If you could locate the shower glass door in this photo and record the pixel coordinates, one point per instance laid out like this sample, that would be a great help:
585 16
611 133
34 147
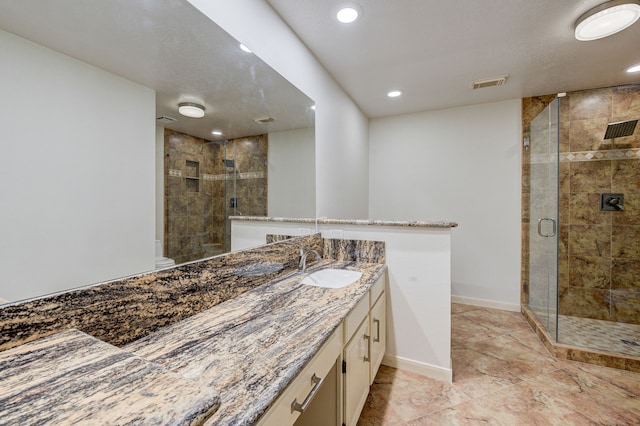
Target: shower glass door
543 217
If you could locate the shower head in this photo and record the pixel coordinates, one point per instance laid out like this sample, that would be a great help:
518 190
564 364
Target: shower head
229 163
620 129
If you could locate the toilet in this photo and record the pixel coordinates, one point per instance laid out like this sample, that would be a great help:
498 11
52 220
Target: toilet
162 262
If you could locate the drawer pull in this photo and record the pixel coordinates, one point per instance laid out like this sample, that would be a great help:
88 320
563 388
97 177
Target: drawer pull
377 323
367 357
316 382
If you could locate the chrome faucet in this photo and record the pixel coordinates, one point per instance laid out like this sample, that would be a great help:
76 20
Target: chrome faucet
303 258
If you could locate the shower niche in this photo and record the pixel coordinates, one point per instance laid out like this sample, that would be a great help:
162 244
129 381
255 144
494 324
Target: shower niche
192 179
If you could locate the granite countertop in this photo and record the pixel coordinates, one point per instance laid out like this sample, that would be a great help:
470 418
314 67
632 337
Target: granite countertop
251 347
73 378
326 221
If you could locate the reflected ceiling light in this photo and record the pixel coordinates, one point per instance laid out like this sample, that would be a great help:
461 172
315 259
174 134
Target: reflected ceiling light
395 93
634 68
189 109
347 15
245 48
264 120
216 133
313 107
607 19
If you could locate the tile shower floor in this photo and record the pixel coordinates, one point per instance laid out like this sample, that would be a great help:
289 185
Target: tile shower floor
607 336
503 375
601 335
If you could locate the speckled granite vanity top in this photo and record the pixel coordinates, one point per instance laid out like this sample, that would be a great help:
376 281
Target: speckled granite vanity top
251 347
73 378
170 347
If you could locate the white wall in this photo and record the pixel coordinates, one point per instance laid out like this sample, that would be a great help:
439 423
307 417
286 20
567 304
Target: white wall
341 128
291 172
77 172
462 165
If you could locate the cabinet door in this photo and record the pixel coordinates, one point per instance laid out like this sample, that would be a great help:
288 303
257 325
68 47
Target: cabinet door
356 377
378 334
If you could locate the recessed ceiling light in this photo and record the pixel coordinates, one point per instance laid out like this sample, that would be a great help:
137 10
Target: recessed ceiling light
189 109
607 19
634 68
395 93
216 133
347 15
245 48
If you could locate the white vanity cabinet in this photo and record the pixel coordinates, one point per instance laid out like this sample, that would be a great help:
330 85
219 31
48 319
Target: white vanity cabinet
346 364
364 350
377 325
356 362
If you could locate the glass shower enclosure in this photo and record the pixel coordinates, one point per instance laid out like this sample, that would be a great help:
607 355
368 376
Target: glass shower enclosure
544 142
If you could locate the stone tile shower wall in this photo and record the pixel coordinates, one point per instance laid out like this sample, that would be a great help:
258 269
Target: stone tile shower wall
251 156
199 191
599 251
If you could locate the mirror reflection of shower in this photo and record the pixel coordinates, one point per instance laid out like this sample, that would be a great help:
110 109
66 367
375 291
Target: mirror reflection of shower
233 200
206 183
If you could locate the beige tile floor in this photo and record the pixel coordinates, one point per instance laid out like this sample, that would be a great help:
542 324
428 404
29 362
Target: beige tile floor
503 375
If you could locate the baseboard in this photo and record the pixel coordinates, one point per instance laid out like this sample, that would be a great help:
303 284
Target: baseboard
421 368
513 307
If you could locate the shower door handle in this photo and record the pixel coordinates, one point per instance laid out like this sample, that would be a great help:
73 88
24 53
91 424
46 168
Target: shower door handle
554 228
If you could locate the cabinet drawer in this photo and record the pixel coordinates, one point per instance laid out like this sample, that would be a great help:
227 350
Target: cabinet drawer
355 317
376 289
280 413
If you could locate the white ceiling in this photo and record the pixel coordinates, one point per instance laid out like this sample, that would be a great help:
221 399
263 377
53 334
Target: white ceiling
431 50
434 49
170 47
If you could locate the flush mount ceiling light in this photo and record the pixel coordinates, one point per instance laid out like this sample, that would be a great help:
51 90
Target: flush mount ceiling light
264 120
349 13
607 19
189 109
395 93
245 48
634 68
216 133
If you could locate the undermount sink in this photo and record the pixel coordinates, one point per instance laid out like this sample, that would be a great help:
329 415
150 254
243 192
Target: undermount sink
332 278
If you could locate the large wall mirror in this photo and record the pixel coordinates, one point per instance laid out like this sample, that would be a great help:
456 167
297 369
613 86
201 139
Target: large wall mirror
98 162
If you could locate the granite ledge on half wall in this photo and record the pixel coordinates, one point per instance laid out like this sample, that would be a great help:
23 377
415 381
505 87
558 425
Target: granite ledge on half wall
368 222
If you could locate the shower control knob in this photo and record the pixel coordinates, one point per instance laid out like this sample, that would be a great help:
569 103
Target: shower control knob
611 202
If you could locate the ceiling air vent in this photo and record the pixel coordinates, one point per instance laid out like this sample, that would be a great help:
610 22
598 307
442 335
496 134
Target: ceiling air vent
489 82
264 120
165 120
